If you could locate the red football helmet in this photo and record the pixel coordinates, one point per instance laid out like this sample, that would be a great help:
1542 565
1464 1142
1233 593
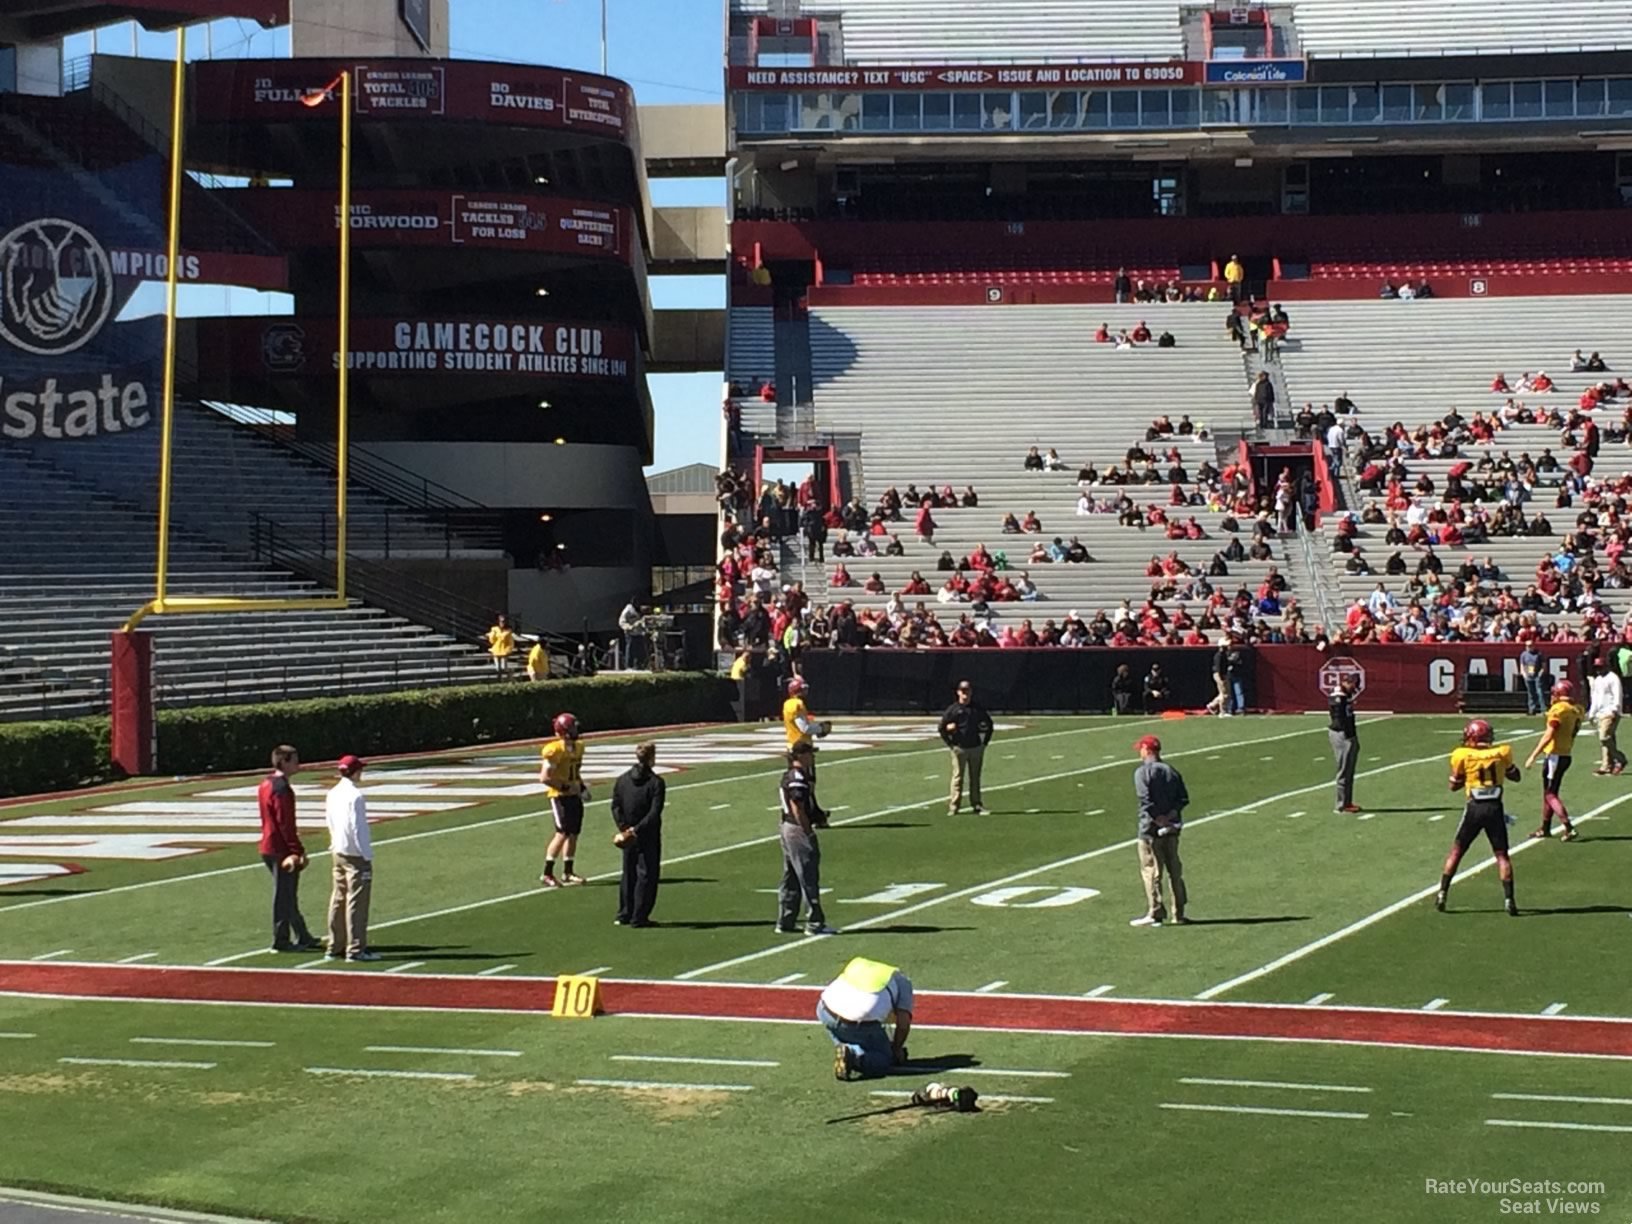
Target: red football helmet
566 726
1564 690
796 686
1477 732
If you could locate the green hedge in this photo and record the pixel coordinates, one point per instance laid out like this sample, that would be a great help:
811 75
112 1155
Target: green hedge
36 757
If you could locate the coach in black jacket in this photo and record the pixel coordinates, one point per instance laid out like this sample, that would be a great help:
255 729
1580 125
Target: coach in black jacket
637 810
966 728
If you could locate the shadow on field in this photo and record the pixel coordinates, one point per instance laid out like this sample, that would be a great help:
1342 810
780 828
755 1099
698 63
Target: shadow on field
667 881
1582 909
88 892
1248 921
713 926
928 1066
431 952
1406 811
882 824
902 928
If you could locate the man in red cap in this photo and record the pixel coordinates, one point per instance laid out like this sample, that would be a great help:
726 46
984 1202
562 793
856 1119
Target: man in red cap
346 811
1162 800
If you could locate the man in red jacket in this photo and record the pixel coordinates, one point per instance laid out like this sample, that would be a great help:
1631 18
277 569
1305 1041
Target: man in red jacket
283 854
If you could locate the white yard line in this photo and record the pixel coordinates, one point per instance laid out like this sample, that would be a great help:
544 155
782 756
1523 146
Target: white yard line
238 956
375 1073
495 969
1561 1100
663 1086
987 886
140 956
52 955
1258 1109
1294 815
991 986
1287 1085
203 1041
1563 1126
1552 1009
595 972
694 1062
138 1062
1015 1072
1013 1100
403 968
788 979
1387 911
1434 1004
18 1036
718 807
392 1049
1317 1000
1098 991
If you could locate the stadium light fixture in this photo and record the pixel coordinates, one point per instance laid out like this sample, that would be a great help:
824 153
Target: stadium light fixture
543 403
541 292
560 441
546 518
541 180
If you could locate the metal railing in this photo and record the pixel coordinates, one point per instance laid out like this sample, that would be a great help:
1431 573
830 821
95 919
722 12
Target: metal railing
234 682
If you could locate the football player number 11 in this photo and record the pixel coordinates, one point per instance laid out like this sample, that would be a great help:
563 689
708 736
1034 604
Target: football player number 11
576 997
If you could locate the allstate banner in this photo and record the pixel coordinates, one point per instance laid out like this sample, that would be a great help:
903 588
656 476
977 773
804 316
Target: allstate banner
67 368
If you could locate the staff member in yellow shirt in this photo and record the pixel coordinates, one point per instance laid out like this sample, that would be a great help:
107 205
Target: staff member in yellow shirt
1235 277
538 661
1564 719
563 777
1479 767
501 644
802 729
854 1009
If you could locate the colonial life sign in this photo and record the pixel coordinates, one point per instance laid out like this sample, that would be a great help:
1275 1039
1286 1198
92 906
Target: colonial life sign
967 76
230 91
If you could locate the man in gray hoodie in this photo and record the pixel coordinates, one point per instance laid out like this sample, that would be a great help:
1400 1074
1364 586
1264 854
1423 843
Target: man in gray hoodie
1162 799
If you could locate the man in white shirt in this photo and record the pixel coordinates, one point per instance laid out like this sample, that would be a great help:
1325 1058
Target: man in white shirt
1604 710
346 811
855 1008
1381 604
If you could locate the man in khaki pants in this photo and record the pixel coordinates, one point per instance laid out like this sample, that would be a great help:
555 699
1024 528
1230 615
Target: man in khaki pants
1604 710
346 811
1162 800
966 728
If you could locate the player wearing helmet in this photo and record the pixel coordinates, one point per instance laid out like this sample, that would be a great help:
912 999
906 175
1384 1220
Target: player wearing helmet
802 731
1479 766
562 776
1564 719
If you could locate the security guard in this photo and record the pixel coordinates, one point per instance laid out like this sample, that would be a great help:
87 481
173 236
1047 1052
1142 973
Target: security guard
855 1008
1345 738
637 810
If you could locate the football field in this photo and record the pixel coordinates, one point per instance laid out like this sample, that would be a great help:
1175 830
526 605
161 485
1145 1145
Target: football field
1318 1044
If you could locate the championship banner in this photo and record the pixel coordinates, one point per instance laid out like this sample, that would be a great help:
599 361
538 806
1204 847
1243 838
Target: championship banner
416 346
968 76
420 218
68 368
237 91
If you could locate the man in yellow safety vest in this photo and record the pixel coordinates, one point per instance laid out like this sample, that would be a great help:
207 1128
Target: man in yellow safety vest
855 1008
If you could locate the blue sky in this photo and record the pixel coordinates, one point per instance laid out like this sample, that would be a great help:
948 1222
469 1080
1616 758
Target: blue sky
670 51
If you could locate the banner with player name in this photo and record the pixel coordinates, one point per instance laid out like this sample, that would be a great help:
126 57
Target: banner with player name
917 77
426 218
237 91
417 346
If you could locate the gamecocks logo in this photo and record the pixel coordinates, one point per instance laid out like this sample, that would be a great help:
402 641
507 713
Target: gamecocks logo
283 348
1335 669
56 286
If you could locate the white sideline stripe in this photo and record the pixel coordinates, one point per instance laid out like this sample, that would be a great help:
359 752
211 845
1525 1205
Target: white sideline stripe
1095 812
1259 1109
203 1041
695 1062
788 980
495 969
663 1086
1388 911
1010 1071
1439 816
1014 1100
991 986
599 969
140 956
388 1049
1295 815
380 1074
1552 1009
52 955
238 956
1565 1126
1097 991
1288 1085
1318 999
1434 1004
858 757
988 885
18 1036
1562 1100
403 968
719 807
137 1062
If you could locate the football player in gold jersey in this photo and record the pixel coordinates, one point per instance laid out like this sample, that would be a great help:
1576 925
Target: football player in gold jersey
1564 719
1479 767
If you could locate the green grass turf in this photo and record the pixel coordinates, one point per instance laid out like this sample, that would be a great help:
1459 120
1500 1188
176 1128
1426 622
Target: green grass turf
1265 884
522 1141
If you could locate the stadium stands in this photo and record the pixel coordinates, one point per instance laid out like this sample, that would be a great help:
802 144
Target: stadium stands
78 561
751 358
1344 29
996 31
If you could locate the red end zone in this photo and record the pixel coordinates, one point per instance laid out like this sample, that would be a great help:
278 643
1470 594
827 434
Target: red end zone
1237 1021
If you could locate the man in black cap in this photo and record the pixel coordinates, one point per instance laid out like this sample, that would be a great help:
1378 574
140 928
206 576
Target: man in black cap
966 728
801 852
637 810
1345 738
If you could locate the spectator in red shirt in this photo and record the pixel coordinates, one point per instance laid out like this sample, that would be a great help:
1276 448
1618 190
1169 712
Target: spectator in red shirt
924 523
283 854
767 392
1498 385
841 577
1103 335
916 585
874 585
1141 334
